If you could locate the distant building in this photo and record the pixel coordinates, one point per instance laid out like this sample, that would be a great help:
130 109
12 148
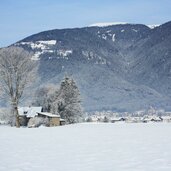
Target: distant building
152 119
118 119
166 118
134 120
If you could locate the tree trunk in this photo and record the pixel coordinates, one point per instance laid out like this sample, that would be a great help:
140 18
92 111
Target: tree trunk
17 118
16 114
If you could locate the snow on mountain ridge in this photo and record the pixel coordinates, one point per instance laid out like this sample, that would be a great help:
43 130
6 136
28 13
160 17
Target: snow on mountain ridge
105 24
42 45
152 26
48 42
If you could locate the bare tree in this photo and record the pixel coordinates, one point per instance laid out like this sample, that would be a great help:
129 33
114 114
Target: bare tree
17 72
45 96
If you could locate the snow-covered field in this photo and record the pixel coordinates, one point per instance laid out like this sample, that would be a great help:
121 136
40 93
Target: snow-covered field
87 147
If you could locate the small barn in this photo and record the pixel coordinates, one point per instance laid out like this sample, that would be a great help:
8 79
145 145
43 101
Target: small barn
54 120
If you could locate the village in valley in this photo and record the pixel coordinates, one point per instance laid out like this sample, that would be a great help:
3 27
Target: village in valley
142 116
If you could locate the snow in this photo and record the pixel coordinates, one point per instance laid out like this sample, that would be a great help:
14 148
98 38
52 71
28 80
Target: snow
85 53
104 36
29 111
39 44
48 42
134 30
36 56
87 147
152 26
64 53
108 31
2 122
106 24
49 114
42 46
113 38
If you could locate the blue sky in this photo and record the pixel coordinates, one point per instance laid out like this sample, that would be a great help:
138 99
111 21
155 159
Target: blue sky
21 18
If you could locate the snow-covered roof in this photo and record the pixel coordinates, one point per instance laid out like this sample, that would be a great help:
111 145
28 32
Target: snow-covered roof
29 111
117 118
150 118
49 114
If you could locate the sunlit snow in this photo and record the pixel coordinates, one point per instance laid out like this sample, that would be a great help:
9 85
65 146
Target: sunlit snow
43 46
87 147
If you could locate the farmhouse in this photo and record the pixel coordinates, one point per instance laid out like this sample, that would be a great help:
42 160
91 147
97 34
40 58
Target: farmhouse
25 113
33 115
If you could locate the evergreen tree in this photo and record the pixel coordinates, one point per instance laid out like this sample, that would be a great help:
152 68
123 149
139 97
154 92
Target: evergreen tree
68 101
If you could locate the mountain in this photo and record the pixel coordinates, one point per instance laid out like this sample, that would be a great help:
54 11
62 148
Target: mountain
121 67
